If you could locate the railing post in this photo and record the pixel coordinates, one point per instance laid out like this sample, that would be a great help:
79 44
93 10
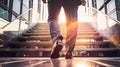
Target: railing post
30 13
19 28
29 18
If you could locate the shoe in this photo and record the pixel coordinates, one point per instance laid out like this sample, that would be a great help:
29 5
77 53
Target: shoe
56 50
55 53
68 56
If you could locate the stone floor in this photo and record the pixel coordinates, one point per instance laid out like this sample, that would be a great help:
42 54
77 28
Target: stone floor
61 62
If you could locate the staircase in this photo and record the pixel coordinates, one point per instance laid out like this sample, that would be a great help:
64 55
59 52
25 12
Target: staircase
90 43
36 42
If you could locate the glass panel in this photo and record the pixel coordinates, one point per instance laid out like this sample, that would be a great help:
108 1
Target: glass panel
15 25
10 30
25 5
4 14
106 25
16 6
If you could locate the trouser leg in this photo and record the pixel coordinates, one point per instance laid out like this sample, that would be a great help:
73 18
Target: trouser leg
71 37
54 7
71 17
54 30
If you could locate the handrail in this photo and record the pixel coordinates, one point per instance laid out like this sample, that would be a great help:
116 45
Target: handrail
16 18
100 18
106 25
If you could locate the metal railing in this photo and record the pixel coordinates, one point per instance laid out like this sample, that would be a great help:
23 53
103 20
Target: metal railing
100 17
105 25
20 23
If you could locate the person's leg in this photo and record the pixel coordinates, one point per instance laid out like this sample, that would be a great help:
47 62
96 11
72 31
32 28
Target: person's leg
54 7
71 17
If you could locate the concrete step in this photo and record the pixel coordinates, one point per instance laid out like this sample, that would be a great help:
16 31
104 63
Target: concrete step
97 43
64 30
36 34
94 37
24 38
50 43
42 28
49 49
47 30
38 31
33 43
83 33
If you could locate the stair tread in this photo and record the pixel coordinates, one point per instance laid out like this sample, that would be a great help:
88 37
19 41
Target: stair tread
49 37
35 37
97 49
92 43
79 36
87 37
80 30
39 31
88 33
35 34
25 49
84 33
42 43
61 31
49 49
50 43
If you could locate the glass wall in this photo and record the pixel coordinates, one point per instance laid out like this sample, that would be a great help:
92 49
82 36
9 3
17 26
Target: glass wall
25 7
4 14
4 4
108 7
117 2
10 9
111 9
16 6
